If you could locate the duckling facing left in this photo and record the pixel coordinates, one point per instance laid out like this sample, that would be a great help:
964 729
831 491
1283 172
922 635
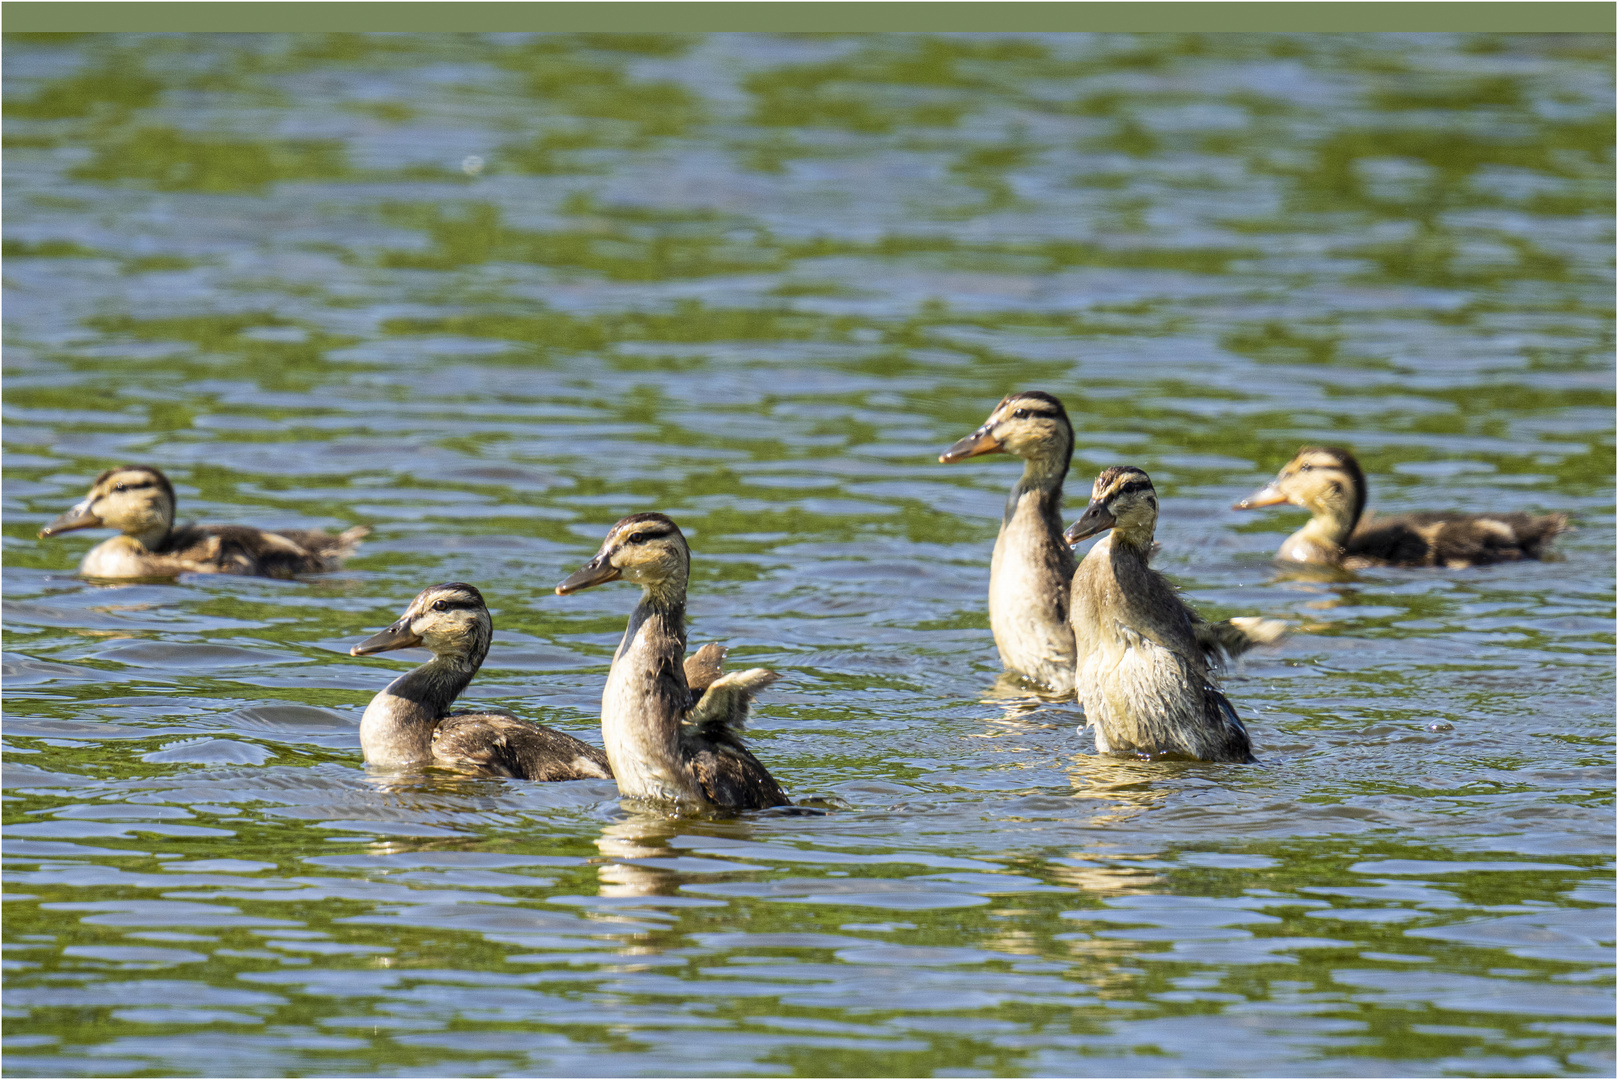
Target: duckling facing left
1031 570
409 725
138 501
672 726
1143 676
1329 483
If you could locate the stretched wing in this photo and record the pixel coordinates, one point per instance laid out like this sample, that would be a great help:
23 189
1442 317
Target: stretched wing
703 668
499 744
1232 637
711 739
721 713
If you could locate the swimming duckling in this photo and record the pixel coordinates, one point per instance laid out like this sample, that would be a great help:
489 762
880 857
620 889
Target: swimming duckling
409 725
138 501
1143 676
1328 482
672 727
1031 570
1031 567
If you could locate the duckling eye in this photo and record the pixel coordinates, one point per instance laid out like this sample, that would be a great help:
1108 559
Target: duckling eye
1305 468
636 538
440 605
1020 414
120 487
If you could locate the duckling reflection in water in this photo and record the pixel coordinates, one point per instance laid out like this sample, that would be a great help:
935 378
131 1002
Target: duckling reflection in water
1143 676
1031 570
672 727
409 725
138 501
1328 482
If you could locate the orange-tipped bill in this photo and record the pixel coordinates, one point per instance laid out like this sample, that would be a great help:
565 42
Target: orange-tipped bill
1095 519
77 518
1268 495
981 441
397 636
598 571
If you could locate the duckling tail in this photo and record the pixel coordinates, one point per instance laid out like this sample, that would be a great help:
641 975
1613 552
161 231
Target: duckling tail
348 541
1538 531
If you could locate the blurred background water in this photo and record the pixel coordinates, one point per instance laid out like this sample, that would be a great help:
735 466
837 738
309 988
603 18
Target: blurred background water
490 293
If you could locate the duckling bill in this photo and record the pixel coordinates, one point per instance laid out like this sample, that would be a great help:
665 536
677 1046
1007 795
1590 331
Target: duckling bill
1329 483
409 725
138 501
672 725
1143 676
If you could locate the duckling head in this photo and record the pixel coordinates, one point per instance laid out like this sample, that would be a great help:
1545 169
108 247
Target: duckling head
1123 500
647 549
1031 425
1325 480
450 619
137 500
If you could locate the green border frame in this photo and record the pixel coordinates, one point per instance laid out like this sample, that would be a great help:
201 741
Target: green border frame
804 16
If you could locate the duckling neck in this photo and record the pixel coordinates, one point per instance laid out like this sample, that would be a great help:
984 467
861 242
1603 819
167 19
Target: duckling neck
1040 485
1329 528
152 536
397 728
1132 543
645 698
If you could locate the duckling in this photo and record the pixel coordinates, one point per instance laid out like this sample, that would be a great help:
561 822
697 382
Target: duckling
1328 482
409 724
138 501
1031 570
672 727
1143 676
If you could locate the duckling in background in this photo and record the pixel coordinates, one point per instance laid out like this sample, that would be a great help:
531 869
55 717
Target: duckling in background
138 501
672 727
409 725
1143 676
1328 482
1031 570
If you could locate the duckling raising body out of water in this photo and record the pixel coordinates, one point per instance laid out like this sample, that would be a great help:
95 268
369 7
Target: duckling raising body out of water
1031 566
1031 570
138 501
1329 483
1143 676
672 727
409 725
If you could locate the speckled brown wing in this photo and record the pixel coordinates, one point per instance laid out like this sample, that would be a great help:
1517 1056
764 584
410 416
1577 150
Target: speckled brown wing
704 667
239 549
498 744
733 778
1448 539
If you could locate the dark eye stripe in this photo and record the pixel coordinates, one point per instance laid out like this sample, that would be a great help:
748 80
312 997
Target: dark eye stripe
1132 486
137 487
452 604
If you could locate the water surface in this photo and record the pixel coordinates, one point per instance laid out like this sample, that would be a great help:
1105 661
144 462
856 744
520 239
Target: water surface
488 294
